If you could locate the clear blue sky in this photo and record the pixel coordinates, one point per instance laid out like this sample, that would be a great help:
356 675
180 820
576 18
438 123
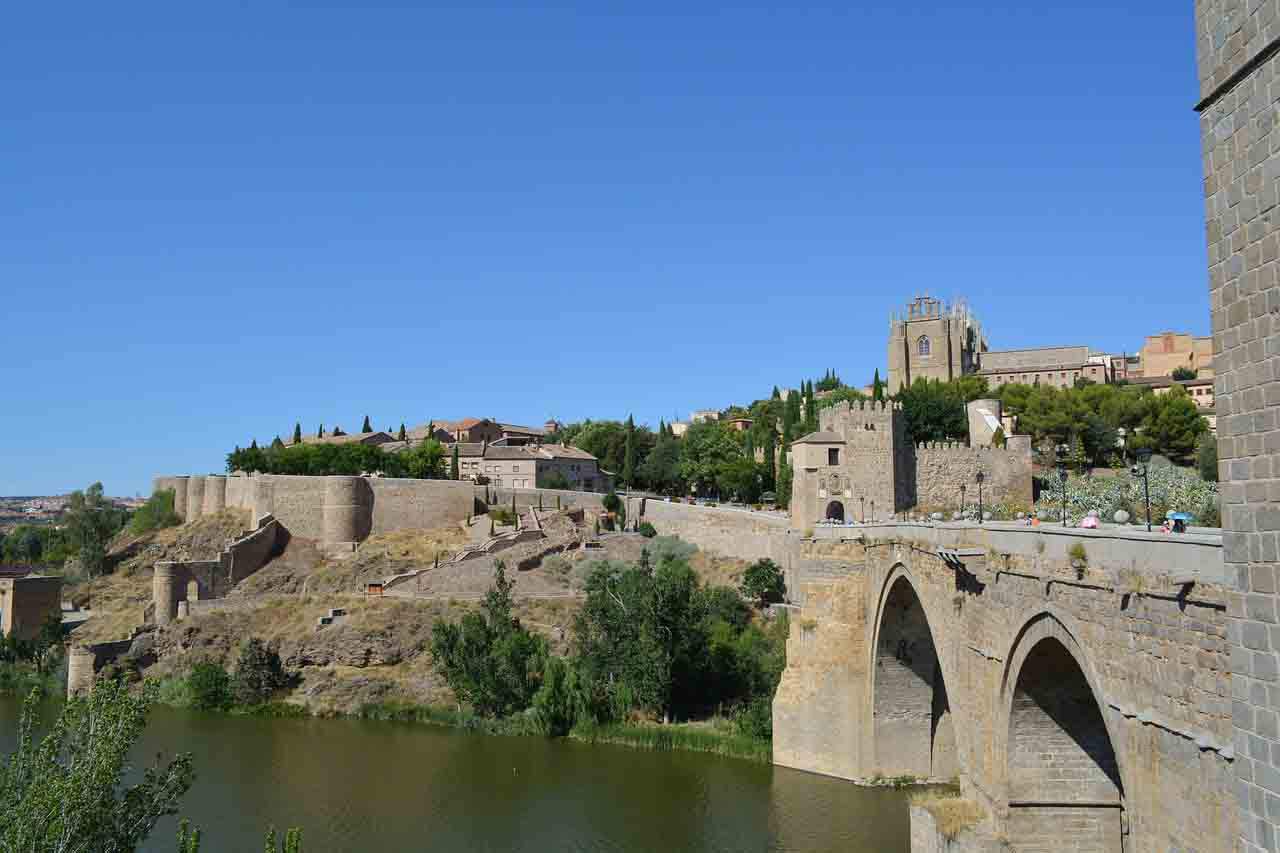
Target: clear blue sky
217 220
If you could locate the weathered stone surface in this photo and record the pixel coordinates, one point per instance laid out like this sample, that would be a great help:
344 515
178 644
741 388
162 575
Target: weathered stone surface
1241 155
1065 706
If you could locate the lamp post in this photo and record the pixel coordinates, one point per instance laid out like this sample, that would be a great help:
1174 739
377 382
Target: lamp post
981 515
1142 469
962 504
1061 451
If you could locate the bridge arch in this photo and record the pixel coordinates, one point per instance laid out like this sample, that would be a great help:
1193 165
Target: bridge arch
1061 750
914 731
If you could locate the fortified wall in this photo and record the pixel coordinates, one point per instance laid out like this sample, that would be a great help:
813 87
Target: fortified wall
336 512
861 466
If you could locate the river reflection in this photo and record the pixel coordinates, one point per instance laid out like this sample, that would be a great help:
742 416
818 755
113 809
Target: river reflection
363 786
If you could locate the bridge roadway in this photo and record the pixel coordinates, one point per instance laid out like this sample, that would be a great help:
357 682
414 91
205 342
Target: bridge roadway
1075 682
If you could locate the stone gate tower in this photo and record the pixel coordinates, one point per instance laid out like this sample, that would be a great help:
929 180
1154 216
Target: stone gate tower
933 340
1238 48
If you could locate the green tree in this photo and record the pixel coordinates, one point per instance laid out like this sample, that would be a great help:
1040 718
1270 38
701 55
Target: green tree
366 426
67 794
259 673
455 469
402 435
934 411
91 521
426 460
1182 374
629 454
1173 425
157 513
554 479
297 433
320 432
560 700
210 687
1207 458
785 477
877 388
706 452
763 582
660 470
487 658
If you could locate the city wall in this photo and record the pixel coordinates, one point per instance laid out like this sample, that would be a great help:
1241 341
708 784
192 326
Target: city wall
941 469
337 512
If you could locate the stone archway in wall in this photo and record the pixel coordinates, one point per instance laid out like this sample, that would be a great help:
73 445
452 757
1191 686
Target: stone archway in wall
1063 777
835 511
914 730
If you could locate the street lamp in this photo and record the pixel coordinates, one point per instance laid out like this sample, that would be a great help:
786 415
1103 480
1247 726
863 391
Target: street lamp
981 515
962 504
1061 451
863 501
1142 469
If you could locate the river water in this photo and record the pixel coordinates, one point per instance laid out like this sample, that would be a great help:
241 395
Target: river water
374 786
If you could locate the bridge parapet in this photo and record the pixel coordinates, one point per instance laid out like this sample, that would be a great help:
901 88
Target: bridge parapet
1134 559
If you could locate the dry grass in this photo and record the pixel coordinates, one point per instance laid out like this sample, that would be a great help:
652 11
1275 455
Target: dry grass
118 600
951 814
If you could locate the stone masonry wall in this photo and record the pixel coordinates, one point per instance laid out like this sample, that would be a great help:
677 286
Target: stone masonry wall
1240 110
1149 640
942 468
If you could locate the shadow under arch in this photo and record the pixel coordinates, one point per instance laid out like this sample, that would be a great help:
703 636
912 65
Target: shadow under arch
913 727
1062 769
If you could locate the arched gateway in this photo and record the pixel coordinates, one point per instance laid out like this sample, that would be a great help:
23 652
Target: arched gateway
835 511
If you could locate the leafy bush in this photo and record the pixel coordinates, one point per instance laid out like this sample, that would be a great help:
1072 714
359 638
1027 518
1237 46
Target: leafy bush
647 530
755 719
555 480
259 673
763 582
1207 459
670 548
488 659
1172 490
559 701
156 514
67 792
503 515
210 687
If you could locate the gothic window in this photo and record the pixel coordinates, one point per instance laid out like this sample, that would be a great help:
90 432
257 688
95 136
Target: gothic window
923 346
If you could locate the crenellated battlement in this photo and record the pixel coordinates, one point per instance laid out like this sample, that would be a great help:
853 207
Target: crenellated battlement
862 464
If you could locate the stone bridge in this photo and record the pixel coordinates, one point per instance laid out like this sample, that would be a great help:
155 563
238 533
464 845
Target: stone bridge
1076 683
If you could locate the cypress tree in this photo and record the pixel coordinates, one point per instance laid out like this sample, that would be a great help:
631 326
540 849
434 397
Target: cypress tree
297 433
770 447
402 436
629 453
777 395
253 445
320 432
366 427
277 444
454 473
877 388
